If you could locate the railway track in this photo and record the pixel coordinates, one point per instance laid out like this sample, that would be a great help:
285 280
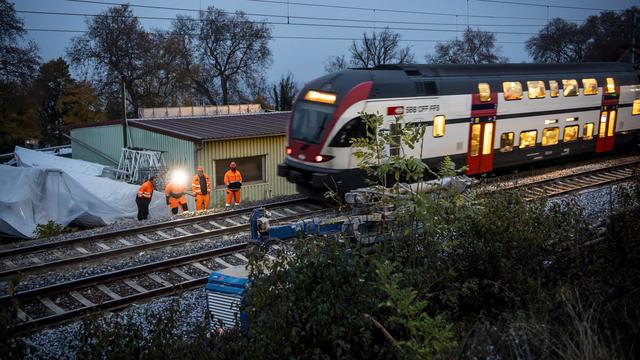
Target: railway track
575 182
61 302
29 259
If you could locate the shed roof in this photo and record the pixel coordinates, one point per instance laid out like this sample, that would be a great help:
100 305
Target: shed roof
217 127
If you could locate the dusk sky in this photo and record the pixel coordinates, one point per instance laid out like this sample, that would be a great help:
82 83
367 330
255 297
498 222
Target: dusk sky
415 20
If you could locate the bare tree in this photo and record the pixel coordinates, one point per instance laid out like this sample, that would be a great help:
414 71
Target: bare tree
475 47
227 47
559 41
18 64
115 48
284 92
380 48
335 63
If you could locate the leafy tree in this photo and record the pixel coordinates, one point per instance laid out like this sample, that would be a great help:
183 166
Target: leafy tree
559 41
80 104
222 50
335 63
379 48
48 87
284 92
475 47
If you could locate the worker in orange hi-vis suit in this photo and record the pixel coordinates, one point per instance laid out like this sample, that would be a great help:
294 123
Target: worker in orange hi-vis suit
233 180
143 198
201 188
175 197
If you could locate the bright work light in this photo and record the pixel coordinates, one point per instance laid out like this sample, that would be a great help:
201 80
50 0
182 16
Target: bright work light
179 177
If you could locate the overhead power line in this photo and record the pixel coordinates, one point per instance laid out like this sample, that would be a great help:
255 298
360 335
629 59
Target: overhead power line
317 5
395 10
274 37
289 23
547 5
276 16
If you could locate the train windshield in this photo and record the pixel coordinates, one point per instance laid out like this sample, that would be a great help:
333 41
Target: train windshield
309 121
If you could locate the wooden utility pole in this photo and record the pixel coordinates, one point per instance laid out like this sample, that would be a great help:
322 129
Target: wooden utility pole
124 114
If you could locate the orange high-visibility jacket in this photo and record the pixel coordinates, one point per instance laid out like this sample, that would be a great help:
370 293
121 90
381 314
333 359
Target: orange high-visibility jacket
175 193
231 176
196 186
146 190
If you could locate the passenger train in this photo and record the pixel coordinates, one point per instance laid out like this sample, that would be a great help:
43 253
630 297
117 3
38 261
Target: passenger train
486 117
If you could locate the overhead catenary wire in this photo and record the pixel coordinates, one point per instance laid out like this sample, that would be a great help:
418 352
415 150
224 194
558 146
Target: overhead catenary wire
275 37
547 5
419 12
146 17
102 2
348 26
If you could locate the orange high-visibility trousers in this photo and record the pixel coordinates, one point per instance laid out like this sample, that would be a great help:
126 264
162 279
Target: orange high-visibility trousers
202 202
233 195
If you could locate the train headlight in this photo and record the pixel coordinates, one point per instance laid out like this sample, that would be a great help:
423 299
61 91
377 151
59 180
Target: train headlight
288 150
322 158
320 96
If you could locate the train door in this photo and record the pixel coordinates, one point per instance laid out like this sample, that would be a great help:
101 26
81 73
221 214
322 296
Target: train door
606 128
608 116
480 154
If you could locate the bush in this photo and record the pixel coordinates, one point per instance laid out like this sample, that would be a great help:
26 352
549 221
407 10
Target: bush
51 228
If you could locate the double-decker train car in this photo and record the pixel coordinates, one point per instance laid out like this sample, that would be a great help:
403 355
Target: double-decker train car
486 117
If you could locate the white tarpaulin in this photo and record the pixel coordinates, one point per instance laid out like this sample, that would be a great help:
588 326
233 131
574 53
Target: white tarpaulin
43 193
37 159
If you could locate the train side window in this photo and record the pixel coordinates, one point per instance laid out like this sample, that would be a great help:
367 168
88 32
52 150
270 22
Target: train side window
612 123
506 142
438 126
353 129
550 136
569 87
553 88
587 133
512 90
536 90
635 109
611 86
485 92
474 149
396 136
528 138
590 86
570 133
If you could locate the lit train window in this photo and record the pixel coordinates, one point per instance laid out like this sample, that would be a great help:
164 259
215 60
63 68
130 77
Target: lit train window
512 90
536 90
438 126
612 123
485 91
528 138
506 142
569 87
590 86
553 88
487 141
611 85
635 110
570 133
475 140
602 129
587 133
550 136
572 119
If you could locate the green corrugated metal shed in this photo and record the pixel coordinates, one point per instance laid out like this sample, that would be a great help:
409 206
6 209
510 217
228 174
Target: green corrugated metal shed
189 142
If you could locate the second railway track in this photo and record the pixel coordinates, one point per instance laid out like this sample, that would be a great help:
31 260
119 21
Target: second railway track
28 259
